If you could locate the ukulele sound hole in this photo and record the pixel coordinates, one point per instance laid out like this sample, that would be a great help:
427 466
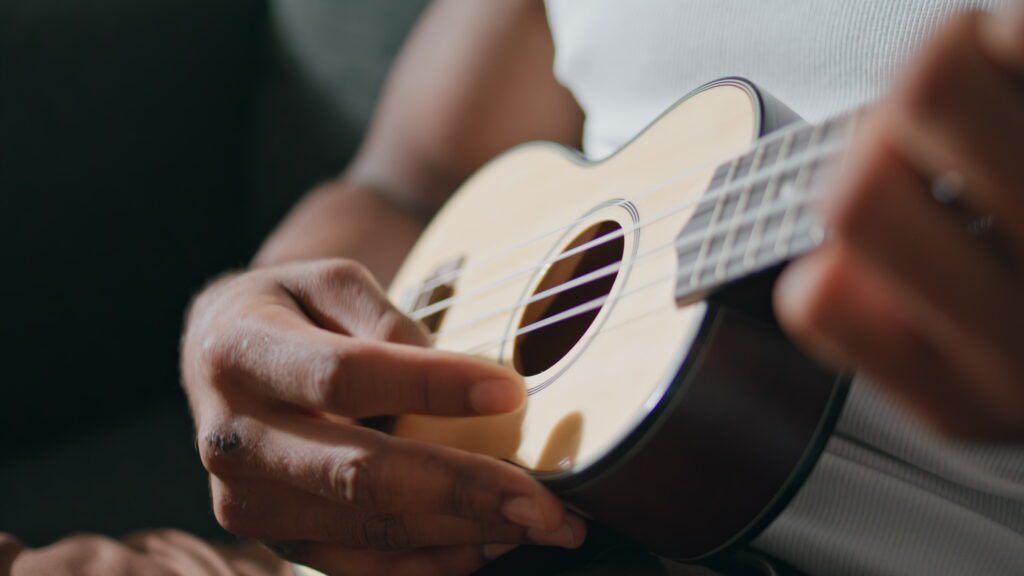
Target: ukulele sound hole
538 350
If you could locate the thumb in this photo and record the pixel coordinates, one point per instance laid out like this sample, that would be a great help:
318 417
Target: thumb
392 379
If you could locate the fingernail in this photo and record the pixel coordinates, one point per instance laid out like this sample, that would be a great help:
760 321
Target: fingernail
791 291
563 536
492 551
496 396
525 511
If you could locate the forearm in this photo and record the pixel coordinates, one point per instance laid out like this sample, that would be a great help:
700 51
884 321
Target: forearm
341 219
475 79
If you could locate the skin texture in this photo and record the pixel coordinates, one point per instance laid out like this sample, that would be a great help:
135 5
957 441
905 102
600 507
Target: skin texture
280 360
902 290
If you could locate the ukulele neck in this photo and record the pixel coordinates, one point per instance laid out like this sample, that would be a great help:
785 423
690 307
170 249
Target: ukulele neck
759 209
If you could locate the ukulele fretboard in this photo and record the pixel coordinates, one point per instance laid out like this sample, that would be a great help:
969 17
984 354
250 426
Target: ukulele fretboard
759 208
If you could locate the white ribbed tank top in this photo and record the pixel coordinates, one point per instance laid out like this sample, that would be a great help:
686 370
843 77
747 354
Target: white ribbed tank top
887 497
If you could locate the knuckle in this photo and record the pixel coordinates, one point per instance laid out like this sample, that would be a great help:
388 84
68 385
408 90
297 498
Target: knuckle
329 381
342 271
387 532
352 475
217 352
393 326
219 446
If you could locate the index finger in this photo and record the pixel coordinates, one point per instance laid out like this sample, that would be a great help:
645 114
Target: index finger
293 361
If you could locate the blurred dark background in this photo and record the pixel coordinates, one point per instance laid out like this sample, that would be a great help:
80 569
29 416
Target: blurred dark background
145 147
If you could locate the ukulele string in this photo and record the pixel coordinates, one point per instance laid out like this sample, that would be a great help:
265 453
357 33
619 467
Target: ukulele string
691 240
598 302
822 151
785 237
453 275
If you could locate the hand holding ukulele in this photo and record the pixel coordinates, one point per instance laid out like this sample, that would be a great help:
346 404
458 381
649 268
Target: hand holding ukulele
905 290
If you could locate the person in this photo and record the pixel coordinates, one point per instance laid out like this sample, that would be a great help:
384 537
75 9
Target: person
925 472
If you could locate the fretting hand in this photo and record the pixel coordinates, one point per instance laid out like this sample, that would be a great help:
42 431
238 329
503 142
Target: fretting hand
904 290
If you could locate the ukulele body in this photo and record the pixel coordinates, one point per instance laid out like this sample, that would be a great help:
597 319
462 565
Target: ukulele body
687 424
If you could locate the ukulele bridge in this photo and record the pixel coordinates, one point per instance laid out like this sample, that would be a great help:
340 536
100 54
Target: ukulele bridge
429 301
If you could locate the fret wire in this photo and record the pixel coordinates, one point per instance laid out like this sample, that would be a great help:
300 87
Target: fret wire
852 123
750 254
741 207
802 175
794 245
706 244
847 124
801 243
840 128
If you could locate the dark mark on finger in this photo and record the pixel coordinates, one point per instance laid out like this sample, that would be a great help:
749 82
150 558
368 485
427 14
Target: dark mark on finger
224 442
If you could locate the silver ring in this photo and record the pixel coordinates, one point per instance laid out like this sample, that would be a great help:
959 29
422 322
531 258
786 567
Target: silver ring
948 187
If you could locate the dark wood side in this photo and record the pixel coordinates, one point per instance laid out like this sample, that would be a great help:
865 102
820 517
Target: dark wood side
736 434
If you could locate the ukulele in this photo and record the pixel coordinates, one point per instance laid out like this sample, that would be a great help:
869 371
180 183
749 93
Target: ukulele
633 295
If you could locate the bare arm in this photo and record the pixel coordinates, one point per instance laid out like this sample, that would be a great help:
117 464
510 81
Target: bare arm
280 362
474 79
